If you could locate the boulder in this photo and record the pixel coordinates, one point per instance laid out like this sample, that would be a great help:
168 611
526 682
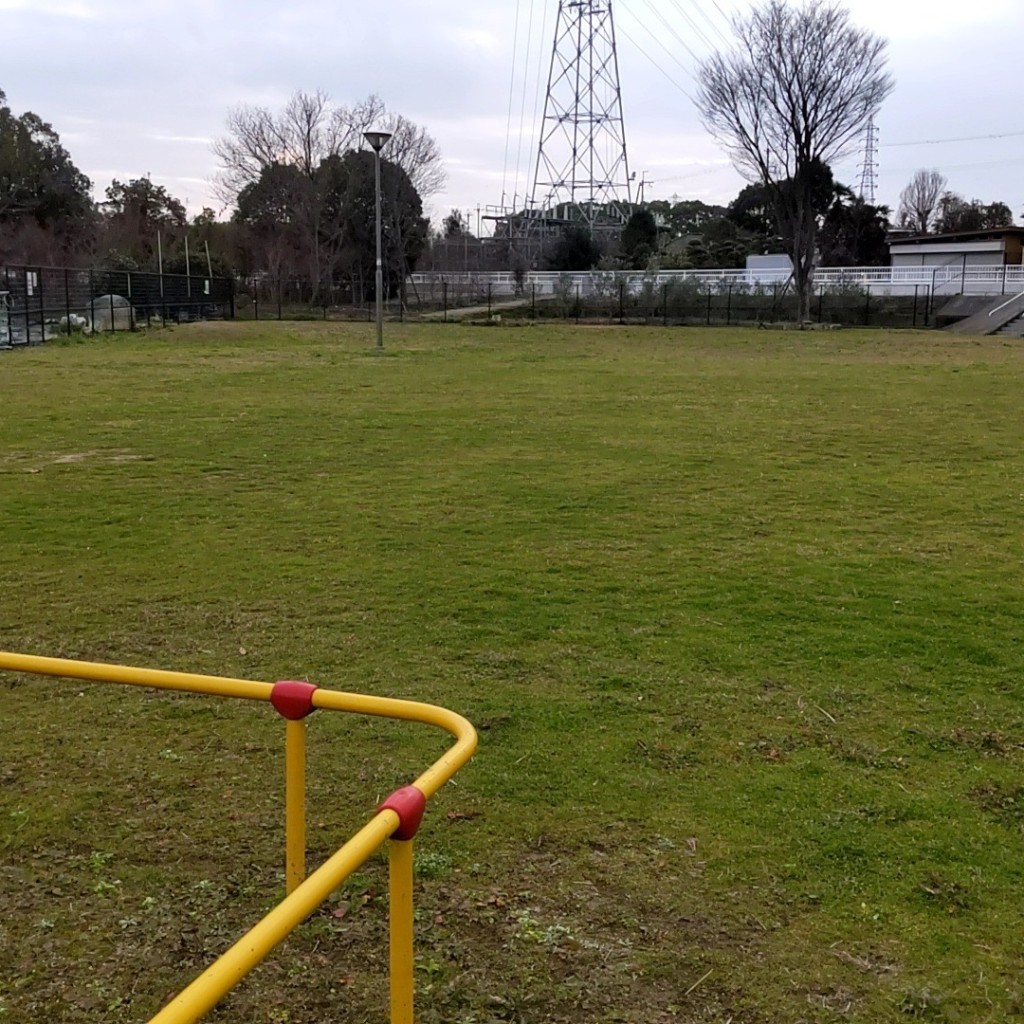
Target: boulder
111 313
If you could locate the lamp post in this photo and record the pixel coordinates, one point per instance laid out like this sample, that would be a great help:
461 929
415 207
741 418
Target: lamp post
377 141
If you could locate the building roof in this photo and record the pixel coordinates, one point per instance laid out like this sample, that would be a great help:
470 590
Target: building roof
1011 231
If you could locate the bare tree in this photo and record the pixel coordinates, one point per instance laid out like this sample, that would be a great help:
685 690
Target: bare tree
307 131
790 98
311 129
919 201
308 138
417 154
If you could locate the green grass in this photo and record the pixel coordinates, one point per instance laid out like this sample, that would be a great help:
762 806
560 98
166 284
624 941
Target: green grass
738 615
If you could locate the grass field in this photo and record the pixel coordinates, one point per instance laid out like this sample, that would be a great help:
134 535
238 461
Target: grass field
738 615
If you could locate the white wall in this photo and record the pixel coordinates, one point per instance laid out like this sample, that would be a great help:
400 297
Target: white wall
946 259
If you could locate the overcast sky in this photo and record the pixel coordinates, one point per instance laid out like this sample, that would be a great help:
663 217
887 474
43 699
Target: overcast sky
143 87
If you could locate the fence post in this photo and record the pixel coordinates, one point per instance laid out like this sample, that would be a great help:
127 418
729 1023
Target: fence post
131 304
577 302
867 305
92 304
279 298
255 299
728 306
821 301
444 299
664 304
113 325
1003 292
963 276
68 302
622 302
28 321
709 305
914 323
488 300
533 300
775 297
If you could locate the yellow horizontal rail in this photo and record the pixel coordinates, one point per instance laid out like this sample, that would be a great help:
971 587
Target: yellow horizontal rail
412 711
217 686
304 897
221 976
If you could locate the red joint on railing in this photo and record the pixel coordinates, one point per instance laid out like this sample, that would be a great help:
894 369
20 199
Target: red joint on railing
409 804
293 700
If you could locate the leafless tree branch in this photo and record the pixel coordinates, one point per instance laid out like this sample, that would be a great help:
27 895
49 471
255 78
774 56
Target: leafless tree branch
794 93
919 201
309 130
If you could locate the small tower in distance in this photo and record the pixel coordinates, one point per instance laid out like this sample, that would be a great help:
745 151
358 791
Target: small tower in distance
869 169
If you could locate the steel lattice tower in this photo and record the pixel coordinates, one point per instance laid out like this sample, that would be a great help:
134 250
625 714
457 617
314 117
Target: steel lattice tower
869 169
582 168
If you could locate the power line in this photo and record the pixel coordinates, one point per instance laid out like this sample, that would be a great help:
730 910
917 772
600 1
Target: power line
694 174
645 54
964 138
522 106
693 24
693 27
511 94
680 64
958 167
682 42
721 12
538 85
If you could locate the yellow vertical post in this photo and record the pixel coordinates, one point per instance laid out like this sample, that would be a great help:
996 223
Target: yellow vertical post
295 804
401 927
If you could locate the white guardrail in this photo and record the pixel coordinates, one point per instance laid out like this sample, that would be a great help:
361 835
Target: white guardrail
941 282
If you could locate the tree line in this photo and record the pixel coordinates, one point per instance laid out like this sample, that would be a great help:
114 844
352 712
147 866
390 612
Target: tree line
297 183
928 207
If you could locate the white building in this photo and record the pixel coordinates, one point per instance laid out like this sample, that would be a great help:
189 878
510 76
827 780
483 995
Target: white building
996 247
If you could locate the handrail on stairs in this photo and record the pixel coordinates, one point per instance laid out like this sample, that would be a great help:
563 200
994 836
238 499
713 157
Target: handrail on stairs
992 312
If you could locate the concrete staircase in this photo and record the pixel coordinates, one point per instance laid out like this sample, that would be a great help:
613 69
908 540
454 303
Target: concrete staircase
993 317
1013 329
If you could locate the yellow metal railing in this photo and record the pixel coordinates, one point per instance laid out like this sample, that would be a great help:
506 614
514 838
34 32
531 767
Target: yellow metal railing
396 819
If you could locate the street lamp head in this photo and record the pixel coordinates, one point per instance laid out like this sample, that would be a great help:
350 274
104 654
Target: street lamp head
377 140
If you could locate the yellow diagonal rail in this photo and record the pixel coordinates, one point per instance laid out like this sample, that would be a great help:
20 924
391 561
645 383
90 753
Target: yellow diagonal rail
398 817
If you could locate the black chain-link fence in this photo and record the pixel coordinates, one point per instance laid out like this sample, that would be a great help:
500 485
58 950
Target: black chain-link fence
269 298
687 302
39 303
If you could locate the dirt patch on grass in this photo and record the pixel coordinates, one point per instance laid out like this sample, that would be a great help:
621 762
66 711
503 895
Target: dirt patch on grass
122 455
1004 803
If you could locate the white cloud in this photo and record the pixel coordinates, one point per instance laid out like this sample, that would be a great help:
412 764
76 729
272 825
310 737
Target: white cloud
921 20
54 8
198 140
